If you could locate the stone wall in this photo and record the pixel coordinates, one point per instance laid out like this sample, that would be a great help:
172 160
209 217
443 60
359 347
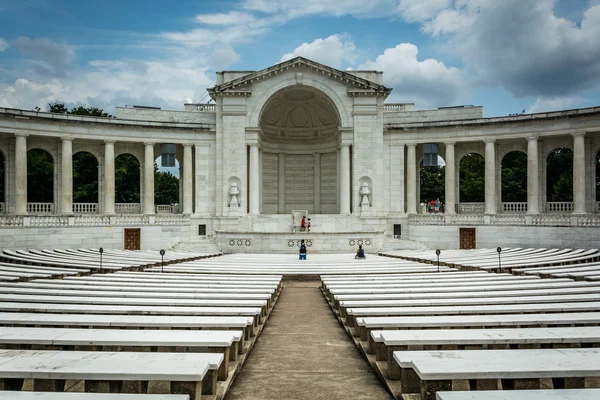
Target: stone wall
299 182
447 237
270 183
329 192
150 114
443 114
152 237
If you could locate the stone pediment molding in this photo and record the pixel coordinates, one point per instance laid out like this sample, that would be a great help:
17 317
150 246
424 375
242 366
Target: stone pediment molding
241 86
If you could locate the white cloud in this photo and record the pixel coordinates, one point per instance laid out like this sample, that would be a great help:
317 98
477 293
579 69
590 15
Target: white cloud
232 17
3 44
429 83
222 57
48 57
333 51
554 104
295 8
421 10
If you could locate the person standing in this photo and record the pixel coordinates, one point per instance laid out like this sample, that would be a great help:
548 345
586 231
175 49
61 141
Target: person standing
303 224
436 205
302 246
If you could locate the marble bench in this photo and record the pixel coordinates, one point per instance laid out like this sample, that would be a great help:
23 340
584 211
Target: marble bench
245 324
109 372
384 343
366 325
12 395
353 313
224 342
428 372
170 286
565 394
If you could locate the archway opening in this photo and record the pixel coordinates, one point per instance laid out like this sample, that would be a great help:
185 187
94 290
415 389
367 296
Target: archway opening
85 182
432 186
559 178
40 181
514 182
166 187
127 184
472 178
299 137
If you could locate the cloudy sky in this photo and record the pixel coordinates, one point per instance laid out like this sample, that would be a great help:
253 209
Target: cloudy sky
507 55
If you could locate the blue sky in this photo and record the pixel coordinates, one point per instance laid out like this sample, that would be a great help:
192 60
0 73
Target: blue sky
509 55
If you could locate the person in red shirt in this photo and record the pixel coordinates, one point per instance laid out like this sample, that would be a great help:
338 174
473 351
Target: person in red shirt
303 224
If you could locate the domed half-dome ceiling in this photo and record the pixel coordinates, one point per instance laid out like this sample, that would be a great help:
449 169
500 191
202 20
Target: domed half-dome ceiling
299 113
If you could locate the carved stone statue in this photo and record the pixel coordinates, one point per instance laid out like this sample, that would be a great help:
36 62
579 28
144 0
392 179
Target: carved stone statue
233 201
365 205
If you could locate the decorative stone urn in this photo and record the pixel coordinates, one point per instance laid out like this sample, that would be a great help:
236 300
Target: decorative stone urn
233 202
365 205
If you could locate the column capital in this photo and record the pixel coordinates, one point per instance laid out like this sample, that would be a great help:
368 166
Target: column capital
533 137
489 141
578 133
411 144
345 144
451 143
149 143
282 155
67 138
110 141
187 144
19 134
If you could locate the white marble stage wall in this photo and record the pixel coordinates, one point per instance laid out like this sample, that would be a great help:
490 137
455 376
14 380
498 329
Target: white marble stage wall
250 242
110 237
447 237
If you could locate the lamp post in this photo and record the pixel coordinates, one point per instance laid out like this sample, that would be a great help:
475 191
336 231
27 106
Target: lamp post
499 250
101 250
162 260
437 253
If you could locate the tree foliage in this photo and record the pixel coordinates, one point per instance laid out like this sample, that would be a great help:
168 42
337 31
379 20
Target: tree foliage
559 175
127 179
40 177
514 177
472 178
85 178
60 108
166 187
433 183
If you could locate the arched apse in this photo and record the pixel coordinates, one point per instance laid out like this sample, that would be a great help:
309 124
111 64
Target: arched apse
166 183
2 178
472 178
559 175
40 176
432 182
514 177
85 178
127 179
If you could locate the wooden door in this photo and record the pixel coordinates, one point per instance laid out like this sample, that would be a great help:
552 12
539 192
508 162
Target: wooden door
468 238
132 239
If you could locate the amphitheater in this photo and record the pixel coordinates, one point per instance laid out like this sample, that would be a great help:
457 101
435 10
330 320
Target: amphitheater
207 298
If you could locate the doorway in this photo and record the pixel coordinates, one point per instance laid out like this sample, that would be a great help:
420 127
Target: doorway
132 239
468 238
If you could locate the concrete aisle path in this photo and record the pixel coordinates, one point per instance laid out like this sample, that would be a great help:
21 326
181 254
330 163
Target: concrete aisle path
304 353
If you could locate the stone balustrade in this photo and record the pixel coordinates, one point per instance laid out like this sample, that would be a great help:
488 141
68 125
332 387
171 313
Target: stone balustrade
128 208
165 209
8 221
506 219
471 208
85 208
394 107
514 207
40 208
559 207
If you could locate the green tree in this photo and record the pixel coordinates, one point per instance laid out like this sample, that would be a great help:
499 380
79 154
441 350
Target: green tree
433 183
559 175
514 177
40 177
127 179
60 108
472 178
166 187
85 178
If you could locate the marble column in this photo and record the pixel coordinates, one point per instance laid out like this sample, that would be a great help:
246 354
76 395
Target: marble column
411 179
149 179
345 179
109 177
450 187
397 178
490 177
281 185
317 184
66 170
533 180
579 198
21 174
254 180
187 179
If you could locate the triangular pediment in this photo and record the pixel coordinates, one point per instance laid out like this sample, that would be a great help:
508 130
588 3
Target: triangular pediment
242 84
